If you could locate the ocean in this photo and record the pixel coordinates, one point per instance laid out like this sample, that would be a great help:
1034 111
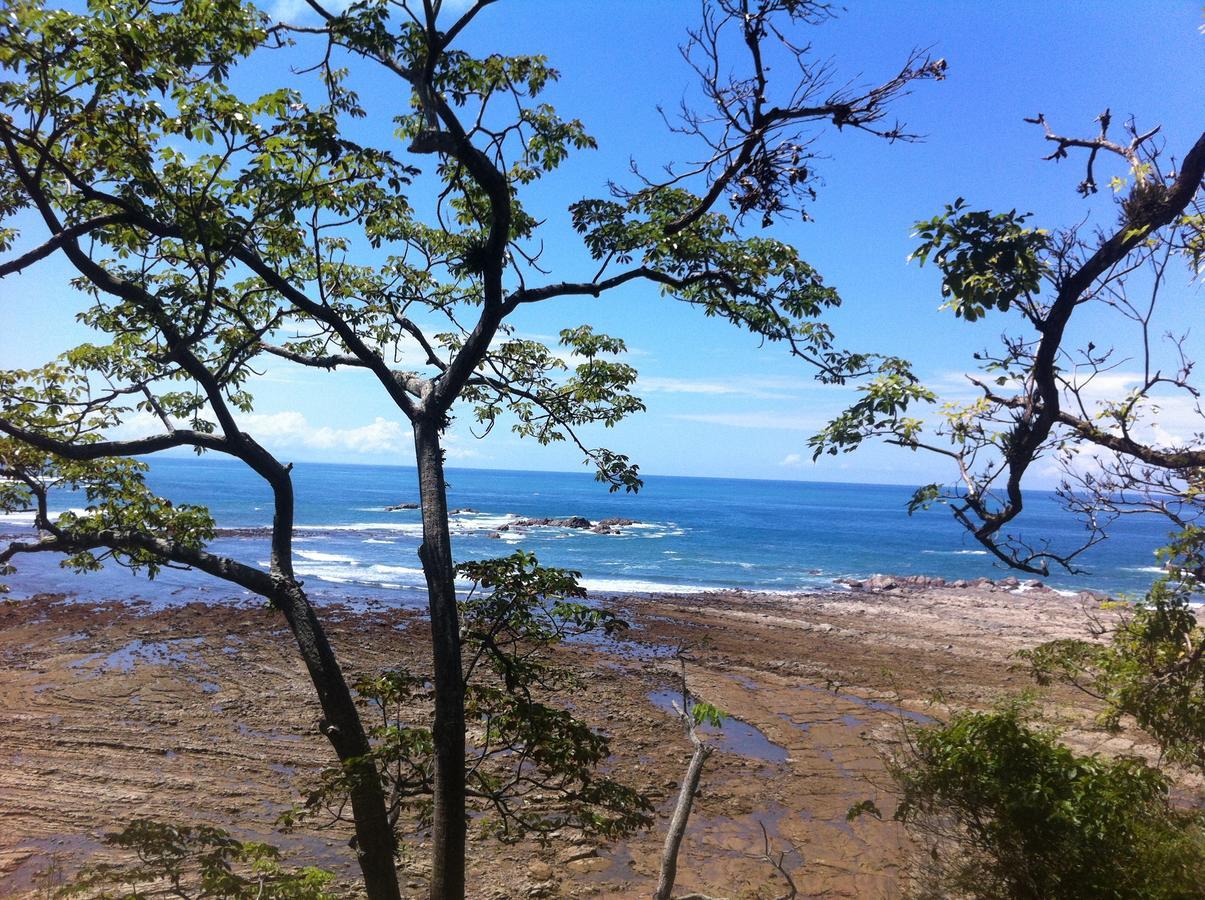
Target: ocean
693 534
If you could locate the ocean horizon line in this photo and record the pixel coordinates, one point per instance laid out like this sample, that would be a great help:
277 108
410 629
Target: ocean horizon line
223 460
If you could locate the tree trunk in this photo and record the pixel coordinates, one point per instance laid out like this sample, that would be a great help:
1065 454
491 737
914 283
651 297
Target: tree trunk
449 824
681 816
375 843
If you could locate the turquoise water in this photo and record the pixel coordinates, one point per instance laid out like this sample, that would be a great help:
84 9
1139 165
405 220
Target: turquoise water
694 533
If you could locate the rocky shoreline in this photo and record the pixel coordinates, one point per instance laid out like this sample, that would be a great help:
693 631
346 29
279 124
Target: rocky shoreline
200 712
878 583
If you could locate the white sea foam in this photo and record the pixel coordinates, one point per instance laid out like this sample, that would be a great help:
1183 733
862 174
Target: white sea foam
1153 570
382 569
480 524
468 523
339 571
379 575
957 552
414 529
638 586
377 541
26 517
315 556
727 563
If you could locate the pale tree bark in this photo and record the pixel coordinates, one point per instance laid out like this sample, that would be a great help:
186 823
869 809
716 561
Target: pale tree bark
680 818
686 796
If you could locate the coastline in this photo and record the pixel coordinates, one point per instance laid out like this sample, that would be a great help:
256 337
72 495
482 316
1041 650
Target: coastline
200 712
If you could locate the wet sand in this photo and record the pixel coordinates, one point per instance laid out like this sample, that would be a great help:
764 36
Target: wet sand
202 713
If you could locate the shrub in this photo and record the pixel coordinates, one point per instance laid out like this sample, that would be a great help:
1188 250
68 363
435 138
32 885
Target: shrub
1005 810
195 862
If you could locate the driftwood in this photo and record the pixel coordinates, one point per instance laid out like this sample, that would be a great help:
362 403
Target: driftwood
686 797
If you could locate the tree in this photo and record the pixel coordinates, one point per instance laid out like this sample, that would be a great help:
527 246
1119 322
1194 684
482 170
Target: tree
1152 665
1038 394
533 767
1028 817
692 713
210 229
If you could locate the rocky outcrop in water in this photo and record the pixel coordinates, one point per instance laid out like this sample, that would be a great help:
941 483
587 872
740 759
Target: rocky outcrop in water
401 506
564 522
612 525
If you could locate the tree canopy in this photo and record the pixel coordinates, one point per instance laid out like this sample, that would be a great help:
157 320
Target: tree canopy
212 225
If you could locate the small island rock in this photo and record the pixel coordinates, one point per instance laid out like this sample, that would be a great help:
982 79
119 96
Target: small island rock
565 522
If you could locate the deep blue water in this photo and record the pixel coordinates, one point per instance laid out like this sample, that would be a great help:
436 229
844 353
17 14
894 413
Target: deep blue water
695 533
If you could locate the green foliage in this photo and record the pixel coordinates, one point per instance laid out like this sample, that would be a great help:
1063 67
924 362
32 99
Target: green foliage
547 399
987 261
532 766
881 408
924 497
863 808
707 714
1009 812
219 203
1153 666
57 401
1194 241
196 862
223 207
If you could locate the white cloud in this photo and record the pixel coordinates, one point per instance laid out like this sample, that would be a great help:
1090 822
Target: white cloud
293 429
453 450
768 420
791 460
764 387
654 385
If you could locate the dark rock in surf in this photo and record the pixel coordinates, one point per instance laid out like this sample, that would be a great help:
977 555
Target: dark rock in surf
401 506
565 522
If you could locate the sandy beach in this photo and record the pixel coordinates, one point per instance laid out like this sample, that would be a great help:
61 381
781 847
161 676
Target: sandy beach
202 713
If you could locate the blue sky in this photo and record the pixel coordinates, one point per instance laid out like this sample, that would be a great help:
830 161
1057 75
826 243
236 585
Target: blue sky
718 404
